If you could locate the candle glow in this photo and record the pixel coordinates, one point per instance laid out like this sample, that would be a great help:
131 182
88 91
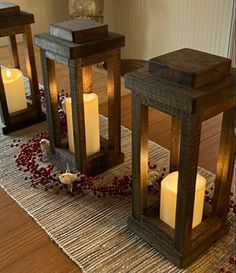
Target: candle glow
91 120
14 89
169 187
8 73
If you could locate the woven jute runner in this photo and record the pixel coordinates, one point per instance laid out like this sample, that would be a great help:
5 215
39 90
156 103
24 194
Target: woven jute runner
93 231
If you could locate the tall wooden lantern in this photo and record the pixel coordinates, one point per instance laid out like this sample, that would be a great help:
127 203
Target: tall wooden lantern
192 87
79 44
16 110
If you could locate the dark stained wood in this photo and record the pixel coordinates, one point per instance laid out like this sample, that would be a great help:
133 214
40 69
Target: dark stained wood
190 67
225 163
8 31
22 19
87 79
96 58
31 69
155 235
49 258
188 108
140 156
95 164
184 98
80 58
114 108
77 103
188 163
79 30
10 26
55 45
72 50
14 51
175 144
8 9
51 99
22 119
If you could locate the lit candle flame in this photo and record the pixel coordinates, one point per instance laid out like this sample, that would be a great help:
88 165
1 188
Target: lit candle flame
8 73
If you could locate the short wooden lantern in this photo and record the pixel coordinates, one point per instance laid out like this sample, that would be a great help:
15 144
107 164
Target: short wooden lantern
14 21
192 87
79 44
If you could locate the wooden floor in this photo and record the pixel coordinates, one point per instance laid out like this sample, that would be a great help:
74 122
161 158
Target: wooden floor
24 246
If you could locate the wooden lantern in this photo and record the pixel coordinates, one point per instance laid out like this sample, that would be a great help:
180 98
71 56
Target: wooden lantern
192 87
14 21
79 44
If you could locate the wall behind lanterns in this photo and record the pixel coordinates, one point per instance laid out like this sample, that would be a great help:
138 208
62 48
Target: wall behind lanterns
151 27
154 27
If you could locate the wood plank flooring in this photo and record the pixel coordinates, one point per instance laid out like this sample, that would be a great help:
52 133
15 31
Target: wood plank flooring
24 246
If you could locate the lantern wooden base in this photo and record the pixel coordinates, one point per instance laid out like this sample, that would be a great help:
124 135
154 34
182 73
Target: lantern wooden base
162 237
96 163
159 235
22 119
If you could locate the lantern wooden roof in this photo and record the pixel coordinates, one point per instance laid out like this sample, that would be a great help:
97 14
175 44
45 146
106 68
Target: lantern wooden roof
79 30
12 16
77 39
159 85
190 67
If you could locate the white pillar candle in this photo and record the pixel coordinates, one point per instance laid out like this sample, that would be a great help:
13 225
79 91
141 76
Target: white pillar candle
169 186
91 117
14 89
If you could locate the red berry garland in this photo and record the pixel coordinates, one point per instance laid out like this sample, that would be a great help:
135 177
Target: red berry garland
30 159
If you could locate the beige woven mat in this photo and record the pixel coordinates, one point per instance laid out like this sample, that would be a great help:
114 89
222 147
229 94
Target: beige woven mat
92 231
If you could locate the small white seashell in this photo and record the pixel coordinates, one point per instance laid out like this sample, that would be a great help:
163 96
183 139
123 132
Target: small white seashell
68 178
45 145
